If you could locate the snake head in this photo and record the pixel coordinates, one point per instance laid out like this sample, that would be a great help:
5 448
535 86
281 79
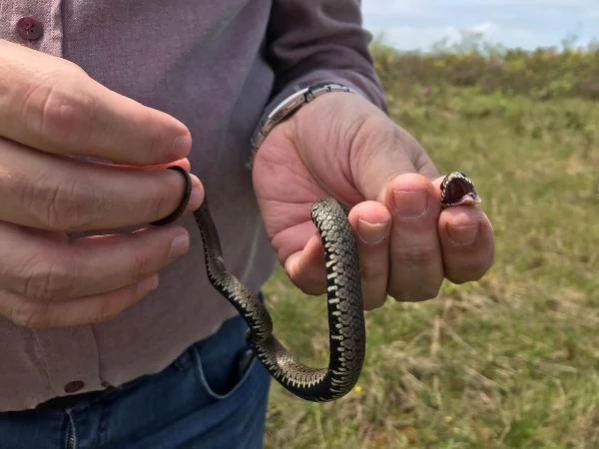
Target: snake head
458 190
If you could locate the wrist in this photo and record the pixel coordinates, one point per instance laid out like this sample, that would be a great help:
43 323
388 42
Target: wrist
285 105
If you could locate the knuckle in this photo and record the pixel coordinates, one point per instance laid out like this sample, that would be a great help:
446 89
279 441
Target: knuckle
371 267
54 108
415 296
155 135
111 309
108 307
310 284
416 293
68 205
29 315
310 289
416 255
469 269
470 275
46 280
374 302
105 311
143 264
61 203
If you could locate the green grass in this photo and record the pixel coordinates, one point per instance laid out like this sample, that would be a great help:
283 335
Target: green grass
510 361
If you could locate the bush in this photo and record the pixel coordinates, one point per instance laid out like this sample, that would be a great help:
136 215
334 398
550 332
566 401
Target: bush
542 74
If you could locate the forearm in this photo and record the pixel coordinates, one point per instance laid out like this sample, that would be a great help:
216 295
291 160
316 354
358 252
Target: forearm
321 40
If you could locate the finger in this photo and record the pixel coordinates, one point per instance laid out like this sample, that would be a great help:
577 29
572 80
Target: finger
372 222
50 270
59 193
467 242
51 104
306 267
381 151
466 236
416 261
183 163
87 310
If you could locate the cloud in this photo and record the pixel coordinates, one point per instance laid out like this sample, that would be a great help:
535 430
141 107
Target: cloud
410 24
424 37
419 5
485 28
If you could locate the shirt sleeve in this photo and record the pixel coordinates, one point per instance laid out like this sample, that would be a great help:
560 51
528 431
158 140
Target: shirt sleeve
311 41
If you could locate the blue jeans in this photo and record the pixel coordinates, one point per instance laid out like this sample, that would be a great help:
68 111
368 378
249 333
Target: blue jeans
205 399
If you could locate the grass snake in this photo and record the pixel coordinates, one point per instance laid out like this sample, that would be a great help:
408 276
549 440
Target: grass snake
347 333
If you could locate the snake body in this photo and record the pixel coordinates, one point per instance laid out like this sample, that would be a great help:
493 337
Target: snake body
347 334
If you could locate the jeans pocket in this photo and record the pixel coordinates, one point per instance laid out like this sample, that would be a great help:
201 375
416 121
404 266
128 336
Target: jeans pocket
222 383
223 362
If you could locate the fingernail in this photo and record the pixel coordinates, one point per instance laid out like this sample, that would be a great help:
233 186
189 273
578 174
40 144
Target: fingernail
147 285
197 194
372 233
181 145
464 234
410 203
179 246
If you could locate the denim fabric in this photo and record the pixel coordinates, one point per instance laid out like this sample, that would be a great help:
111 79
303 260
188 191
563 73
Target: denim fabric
202 400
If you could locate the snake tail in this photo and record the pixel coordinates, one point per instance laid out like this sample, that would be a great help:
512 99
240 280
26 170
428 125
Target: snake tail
347 335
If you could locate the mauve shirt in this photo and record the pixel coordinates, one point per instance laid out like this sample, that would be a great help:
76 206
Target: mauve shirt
214 65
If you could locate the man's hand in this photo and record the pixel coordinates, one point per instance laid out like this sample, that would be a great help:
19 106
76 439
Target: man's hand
342 146
49 110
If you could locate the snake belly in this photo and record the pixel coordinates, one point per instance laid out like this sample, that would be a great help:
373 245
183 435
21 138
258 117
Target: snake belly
347 333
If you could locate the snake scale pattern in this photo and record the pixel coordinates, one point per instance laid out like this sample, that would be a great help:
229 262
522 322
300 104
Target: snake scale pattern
347 333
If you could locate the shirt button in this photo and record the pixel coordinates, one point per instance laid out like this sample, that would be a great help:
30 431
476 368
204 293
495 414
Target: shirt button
30 29
74 386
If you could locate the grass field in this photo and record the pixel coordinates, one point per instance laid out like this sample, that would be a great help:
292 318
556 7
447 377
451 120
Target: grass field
511 361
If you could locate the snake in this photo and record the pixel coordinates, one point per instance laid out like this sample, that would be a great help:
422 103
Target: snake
347 330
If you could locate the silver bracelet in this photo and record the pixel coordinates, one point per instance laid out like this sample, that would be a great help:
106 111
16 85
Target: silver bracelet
284 109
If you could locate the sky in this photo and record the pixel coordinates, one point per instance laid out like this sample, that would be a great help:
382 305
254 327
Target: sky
418 24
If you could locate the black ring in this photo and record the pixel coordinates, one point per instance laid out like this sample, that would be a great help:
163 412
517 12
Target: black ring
184 200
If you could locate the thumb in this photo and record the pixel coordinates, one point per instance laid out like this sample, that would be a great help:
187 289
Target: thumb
383 150
362 140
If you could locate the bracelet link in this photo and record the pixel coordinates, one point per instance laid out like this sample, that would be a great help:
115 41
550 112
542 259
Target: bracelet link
286 108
